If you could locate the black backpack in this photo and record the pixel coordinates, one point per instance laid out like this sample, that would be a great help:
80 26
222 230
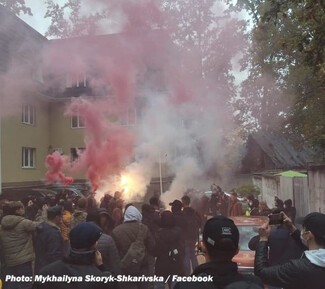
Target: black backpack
132 261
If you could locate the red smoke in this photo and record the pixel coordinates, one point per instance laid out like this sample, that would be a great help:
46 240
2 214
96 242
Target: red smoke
55 164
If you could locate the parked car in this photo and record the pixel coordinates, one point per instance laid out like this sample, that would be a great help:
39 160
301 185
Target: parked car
72 191
21 194
248 228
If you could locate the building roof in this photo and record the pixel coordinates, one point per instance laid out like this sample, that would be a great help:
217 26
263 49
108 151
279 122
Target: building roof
291 174
282 152
17 39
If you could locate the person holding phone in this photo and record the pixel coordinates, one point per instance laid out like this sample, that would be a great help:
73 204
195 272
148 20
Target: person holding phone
306 272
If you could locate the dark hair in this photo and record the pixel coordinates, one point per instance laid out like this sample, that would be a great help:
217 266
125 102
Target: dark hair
154 201
68 206
186 200
288 203
167 219
82 203
10 208
279 203
147 209
93 216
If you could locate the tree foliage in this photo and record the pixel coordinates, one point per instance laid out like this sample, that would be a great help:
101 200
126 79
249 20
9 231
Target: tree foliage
67 19
285 88
16 6
211 39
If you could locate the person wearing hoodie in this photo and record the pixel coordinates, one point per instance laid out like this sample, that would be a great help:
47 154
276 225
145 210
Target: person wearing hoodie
125 234
106 245
16 243
306 272
48 241
220 245
193 221
83 262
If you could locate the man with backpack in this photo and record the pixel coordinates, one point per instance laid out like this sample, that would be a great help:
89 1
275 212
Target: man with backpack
134 242
220 245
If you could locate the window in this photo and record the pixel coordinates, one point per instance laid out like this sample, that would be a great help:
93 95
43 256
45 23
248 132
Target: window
76 80
28 114
28 157
75 152
77 121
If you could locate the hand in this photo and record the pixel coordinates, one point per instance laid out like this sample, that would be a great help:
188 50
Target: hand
98 258
264 232
288 223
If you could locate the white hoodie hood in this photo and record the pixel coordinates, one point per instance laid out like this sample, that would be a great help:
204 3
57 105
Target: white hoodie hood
316 257
132 214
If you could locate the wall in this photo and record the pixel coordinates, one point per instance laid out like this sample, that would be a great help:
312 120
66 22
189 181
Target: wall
16 135
316 184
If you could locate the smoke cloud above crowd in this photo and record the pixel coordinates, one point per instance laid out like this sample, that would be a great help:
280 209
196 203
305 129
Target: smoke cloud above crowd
161 98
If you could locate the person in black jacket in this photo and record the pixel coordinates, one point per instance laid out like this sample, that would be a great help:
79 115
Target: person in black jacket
84 264
168 249
193 222
220 245
307 272
48 242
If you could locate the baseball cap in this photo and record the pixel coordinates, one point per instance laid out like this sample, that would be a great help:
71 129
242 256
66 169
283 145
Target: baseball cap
176 204
84 235
315 223
54 211
219 228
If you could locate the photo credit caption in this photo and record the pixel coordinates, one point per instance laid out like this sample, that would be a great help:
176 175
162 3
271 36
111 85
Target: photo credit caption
106 279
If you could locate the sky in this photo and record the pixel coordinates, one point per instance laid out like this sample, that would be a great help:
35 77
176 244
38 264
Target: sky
37 21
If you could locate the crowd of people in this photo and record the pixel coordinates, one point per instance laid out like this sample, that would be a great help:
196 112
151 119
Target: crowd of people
76 238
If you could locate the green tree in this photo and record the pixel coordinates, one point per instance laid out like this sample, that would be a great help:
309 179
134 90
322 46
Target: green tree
68 21
16 6
211 40
285 88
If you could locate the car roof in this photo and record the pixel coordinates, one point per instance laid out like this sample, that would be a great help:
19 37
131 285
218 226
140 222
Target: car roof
249 221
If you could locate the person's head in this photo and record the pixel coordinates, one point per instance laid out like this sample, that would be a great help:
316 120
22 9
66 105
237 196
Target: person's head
313 231
14 208
82 204
288 203
132 214
54 214
105 220
154 201
263 206
278 203
233 196
147 210
186 200
117 195
220 239
117 215
84 237
176 206
167 219
68 206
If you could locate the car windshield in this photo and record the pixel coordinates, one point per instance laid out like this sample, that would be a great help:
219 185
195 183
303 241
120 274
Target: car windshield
245 234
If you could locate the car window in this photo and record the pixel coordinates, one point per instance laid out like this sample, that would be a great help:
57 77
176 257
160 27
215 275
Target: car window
246 233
